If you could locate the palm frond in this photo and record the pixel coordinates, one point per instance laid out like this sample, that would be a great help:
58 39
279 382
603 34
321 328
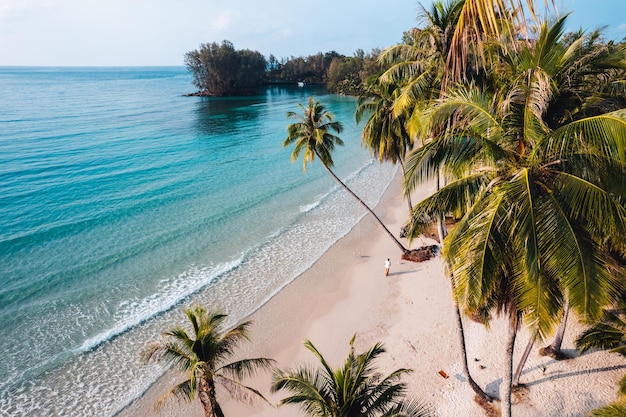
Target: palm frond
604 134
475 251
607 334
239 391
246 368
182 391
456 197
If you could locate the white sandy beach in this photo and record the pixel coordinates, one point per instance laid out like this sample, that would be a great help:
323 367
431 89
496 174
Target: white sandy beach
411 312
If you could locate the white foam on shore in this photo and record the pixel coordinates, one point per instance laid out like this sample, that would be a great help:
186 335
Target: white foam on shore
240 287
132 313
309 207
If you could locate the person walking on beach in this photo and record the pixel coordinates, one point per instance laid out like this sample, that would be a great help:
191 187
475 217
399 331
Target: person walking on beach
387 265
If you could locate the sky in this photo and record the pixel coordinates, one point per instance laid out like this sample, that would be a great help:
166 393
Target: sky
159 32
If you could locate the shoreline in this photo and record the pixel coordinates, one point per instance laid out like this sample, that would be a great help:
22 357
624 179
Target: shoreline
411 312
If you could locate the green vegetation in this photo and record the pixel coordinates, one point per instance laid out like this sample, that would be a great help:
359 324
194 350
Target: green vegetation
530 147
523 128
312 136
220 70
202 356
355 389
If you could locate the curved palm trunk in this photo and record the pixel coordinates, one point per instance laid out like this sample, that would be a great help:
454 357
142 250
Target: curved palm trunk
441 228
523 359
397 242
554 350
507 378
475 387
206 392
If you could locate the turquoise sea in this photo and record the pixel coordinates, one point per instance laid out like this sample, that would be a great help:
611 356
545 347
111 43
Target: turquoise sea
122 201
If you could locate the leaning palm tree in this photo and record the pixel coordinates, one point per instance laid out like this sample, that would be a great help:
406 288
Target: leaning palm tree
203 355
313 137
355 389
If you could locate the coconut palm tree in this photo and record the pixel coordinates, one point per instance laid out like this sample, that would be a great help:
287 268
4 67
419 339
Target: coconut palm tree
202 355
485 20
536 203
384 133
420 68
590 81
312 135
355 389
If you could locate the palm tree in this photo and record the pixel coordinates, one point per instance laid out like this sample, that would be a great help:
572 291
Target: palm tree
590 81
202 355
355 389
482 20
384 133
312 136
420 68
536 203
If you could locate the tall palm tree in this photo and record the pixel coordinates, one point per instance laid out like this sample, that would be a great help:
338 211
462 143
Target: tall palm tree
590 81
355 389
385 133
484 20
203 355
312 135
420 68
537 203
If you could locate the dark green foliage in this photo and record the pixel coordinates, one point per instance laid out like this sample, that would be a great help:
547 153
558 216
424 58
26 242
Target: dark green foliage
355 389
220 70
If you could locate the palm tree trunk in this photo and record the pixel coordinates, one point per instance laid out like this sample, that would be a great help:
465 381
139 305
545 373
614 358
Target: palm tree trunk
523 359
475 387
397 242
206 392
408 194
441 228
507 378
554 350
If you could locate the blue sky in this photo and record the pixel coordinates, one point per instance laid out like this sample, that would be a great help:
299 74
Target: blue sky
159 32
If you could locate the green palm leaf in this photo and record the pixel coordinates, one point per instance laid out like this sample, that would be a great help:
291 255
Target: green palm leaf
355 389
202 355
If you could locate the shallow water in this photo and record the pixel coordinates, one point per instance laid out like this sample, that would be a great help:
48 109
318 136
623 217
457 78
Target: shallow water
122 201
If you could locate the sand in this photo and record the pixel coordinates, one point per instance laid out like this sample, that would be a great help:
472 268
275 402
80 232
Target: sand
411 313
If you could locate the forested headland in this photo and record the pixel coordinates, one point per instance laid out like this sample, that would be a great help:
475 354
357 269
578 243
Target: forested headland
222 70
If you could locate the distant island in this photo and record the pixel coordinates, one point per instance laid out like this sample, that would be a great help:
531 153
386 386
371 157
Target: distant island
220 70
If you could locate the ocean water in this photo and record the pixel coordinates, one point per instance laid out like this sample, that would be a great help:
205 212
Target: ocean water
122 201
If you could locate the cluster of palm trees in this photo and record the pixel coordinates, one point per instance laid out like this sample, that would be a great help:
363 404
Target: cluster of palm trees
524 129
204 352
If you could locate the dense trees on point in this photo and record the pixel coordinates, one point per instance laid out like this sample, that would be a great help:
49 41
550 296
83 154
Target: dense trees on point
220 70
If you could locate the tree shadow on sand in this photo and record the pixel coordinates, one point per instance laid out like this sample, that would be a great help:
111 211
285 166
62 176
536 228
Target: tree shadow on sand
560 375
404 272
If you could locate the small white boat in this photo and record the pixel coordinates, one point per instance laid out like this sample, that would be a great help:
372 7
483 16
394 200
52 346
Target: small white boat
300 83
